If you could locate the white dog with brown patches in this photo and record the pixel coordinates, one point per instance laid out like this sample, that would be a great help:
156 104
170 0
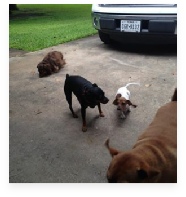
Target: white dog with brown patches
122 100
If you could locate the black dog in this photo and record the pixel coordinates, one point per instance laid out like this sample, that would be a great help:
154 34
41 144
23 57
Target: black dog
88 95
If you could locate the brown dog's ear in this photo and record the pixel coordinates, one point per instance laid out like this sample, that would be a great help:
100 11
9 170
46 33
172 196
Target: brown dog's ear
112 151
128 102
153 173
115 102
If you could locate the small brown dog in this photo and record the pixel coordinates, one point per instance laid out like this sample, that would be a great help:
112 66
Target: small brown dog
51 63
122 100
153 158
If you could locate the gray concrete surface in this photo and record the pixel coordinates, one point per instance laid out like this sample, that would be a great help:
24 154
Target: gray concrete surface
47 144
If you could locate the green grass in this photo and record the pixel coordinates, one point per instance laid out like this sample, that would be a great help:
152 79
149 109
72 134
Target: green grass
34 27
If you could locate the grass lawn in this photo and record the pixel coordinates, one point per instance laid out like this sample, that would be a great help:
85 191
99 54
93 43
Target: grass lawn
37 26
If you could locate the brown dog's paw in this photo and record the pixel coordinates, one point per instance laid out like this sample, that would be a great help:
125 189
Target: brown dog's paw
84 128
134 106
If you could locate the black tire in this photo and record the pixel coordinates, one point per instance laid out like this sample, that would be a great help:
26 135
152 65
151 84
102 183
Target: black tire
104 37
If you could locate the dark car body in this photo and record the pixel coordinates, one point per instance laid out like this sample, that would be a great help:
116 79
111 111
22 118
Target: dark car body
136 23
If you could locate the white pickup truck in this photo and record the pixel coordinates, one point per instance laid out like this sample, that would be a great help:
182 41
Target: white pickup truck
136 23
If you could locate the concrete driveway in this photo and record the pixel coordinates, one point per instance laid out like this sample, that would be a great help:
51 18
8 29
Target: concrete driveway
47 144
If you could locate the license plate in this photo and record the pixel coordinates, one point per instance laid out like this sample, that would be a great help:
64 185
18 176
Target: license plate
130 26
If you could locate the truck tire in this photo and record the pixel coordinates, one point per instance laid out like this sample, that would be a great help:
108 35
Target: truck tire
104 37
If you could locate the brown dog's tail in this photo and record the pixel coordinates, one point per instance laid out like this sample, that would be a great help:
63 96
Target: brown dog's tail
174 97
112 151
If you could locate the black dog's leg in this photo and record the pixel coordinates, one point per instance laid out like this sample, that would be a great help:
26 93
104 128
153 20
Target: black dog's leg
83 114
71 109
68 94
101 114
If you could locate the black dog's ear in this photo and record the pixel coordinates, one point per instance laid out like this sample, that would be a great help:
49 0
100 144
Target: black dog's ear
94 85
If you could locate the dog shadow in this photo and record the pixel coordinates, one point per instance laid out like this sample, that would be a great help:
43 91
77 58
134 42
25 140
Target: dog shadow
121 121
89 119
91 122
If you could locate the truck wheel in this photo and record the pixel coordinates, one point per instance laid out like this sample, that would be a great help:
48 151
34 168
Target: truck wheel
104 37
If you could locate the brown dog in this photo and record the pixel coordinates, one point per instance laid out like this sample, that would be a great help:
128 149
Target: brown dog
51 63
153 158
122 100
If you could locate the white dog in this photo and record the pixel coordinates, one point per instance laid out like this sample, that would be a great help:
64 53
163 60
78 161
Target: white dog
122 100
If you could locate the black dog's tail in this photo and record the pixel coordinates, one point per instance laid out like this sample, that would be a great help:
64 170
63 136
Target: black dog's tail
174 97
67 75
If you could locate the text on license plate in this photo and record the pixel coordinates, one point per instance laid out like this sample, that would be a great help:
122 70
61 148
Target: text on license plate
130 26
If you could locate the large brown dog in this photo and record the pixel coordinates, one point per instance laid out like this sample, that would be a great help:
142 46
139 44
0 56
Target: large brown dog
51 63
153 158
